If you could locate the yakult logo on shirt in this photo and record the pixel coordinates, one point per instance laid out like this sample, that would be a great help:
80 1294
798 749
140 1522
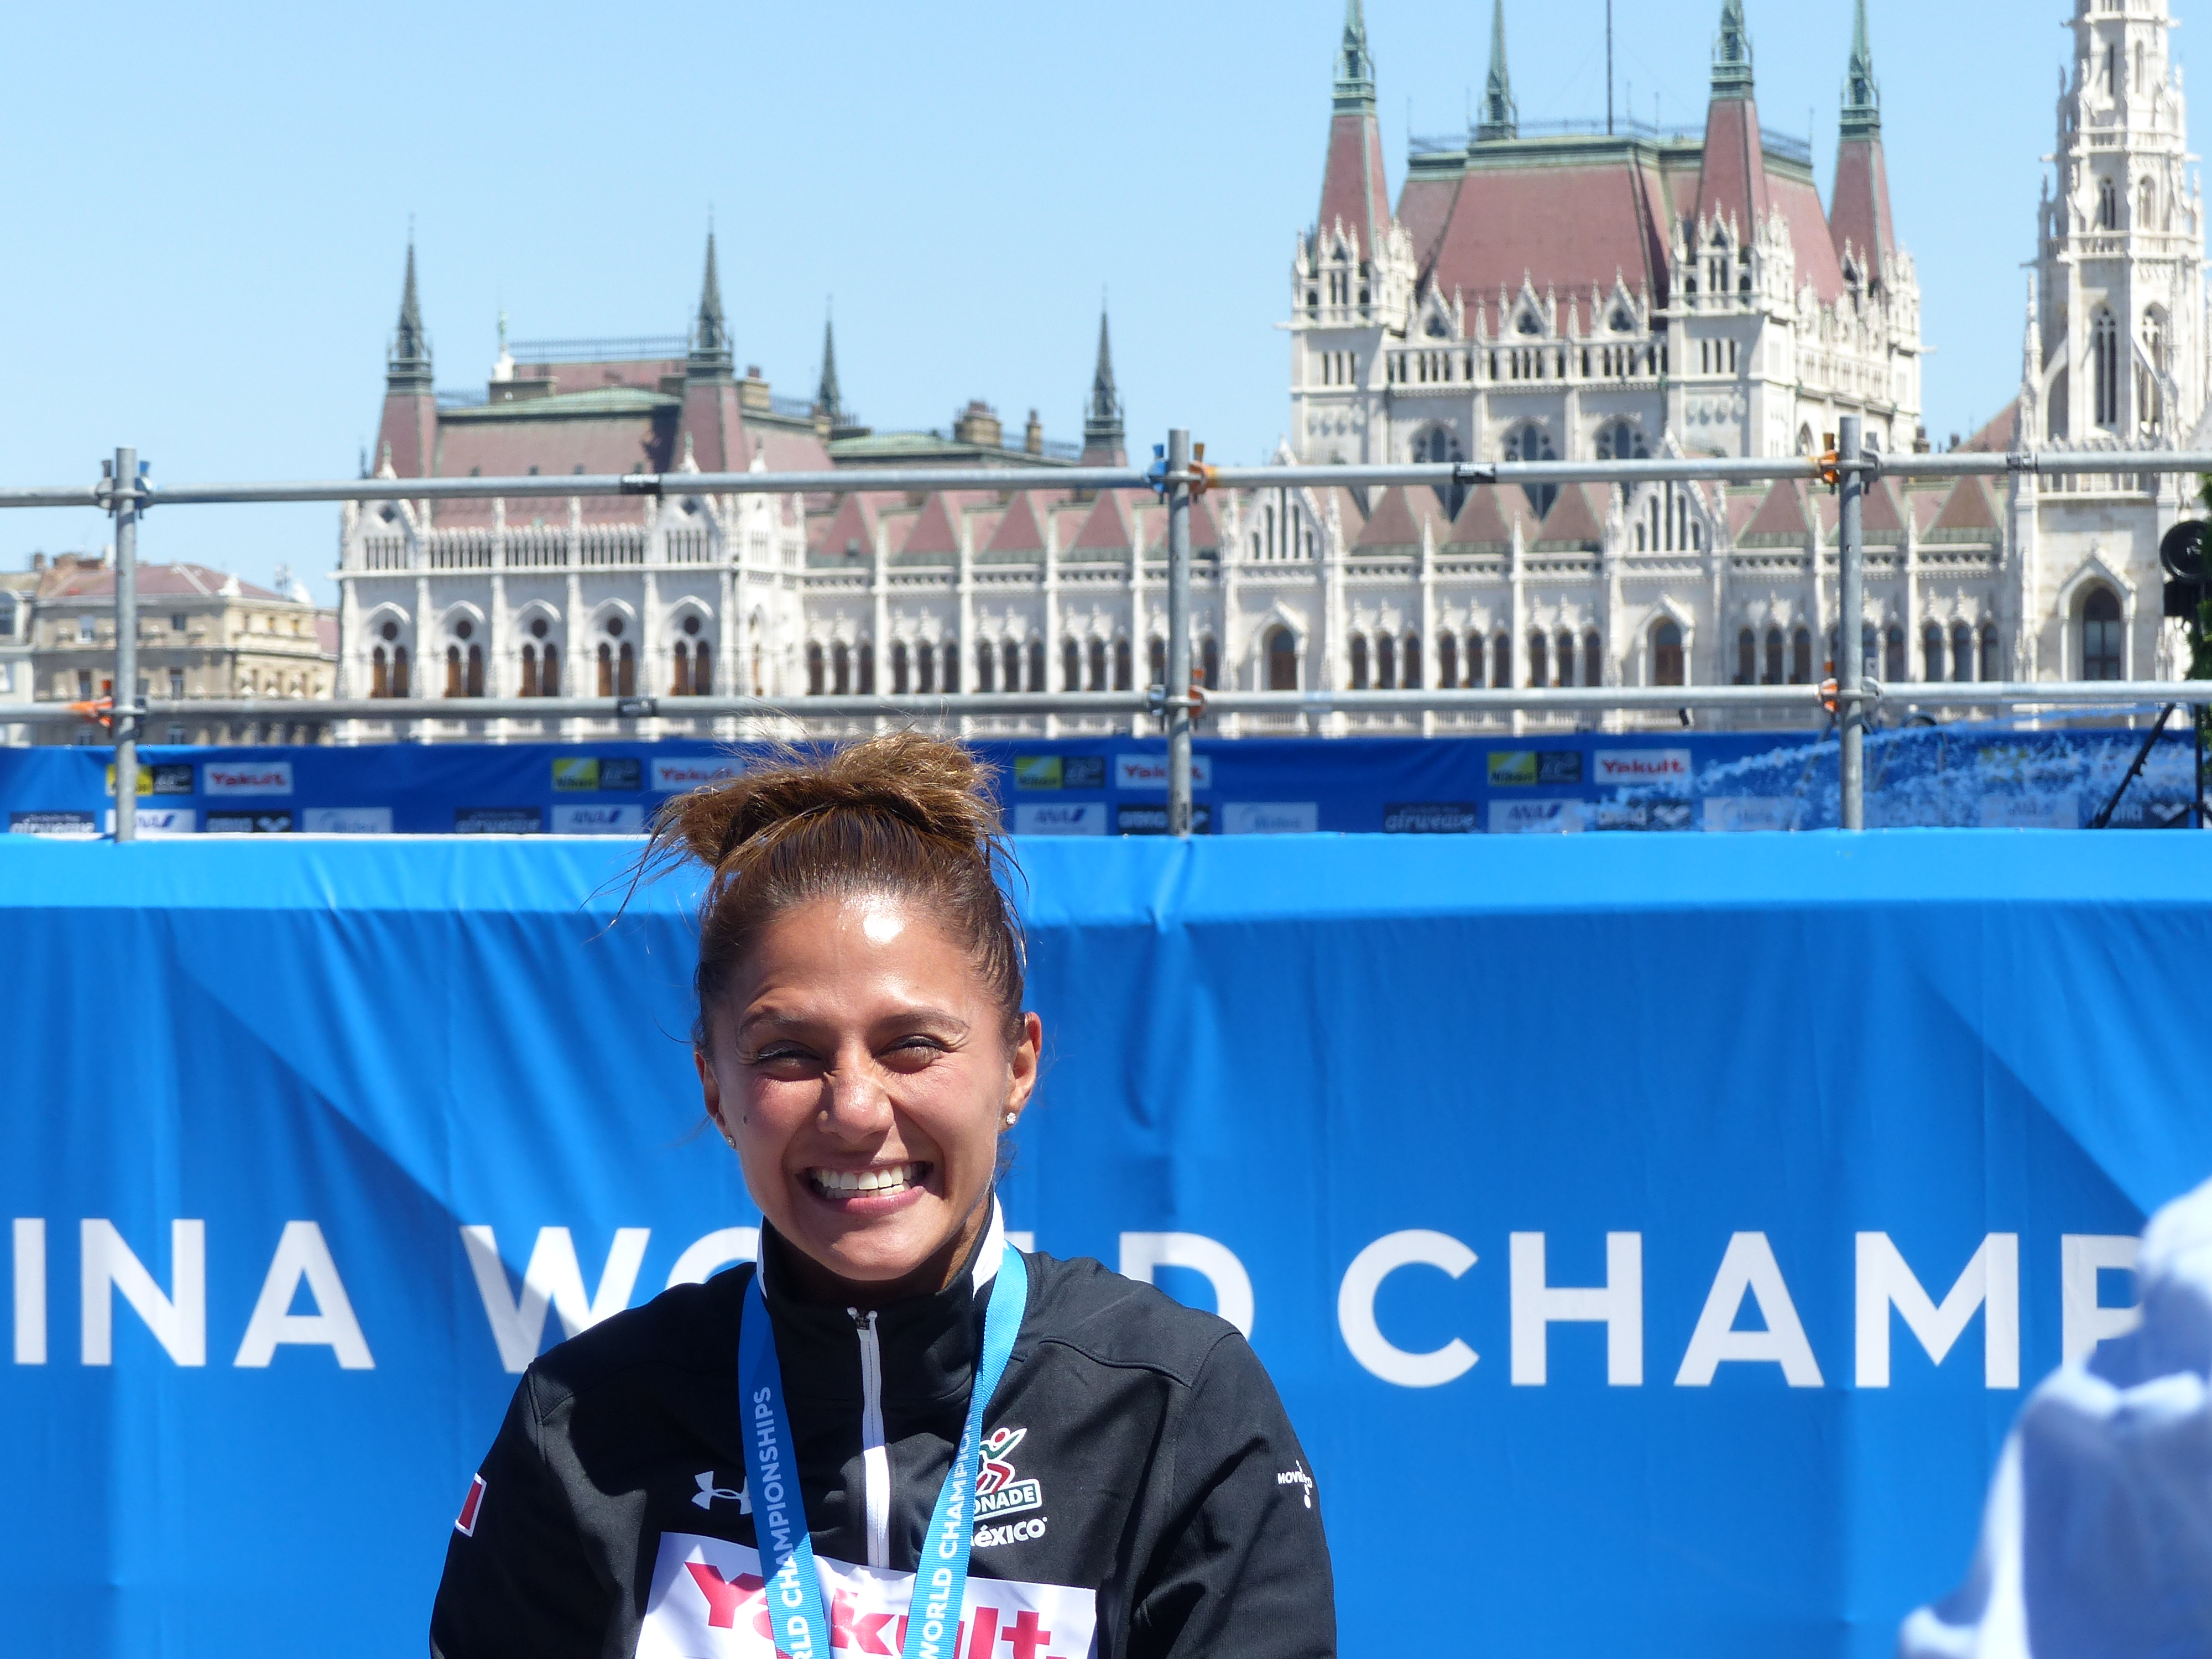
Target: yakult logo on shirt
1632 766
709 1600
255 778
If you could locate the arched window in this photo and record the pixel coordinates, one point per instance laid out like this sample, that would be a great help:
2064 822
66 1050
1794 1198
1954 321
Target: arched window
379 674
1776 671
1359 662
1593 658
1668 667
2102 647
1071 665
529 669
902 669
814 668
1539 666
841 668
606 670
1011 659
1892 656
986 666
6 616
1527 442
1804 441
2105 338
1412 680
1036 665
1991 669
1501 662
1962 655
1097 655
925 667
951 653
1800 657
1446 662
1439 446
679 682
2146 207
2150 402
626 671
702 668
1282 650
453 681
1155 660
1477 676
1386 663
1209 660
2108 205
1747 658
1123 668
1931 653
867 680
1618 440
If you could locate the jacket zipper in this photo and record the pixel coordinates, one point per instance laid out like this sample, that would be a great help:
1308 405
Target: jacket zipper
875 1460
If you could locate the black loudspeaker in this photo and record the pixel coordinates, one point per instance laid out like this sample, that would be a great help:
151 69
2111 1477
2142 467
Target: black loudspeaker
2183 552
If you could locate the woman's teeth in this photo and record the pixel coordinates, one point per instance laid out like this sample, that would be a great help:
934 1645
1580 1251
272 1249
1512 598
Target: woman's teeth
866 1183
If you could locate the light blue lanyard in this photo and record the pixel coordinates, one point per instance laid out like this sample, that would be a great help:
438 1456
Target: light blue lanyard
940 1583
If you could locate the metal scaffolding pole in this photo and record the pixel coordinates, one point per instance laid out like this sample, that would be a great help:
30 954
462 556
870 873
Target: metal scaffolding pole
125 697
1850 627
1178 670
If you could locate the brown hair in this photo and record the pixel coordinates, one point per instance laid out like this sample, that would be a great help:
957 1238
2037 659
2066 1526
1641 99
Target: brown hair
904 814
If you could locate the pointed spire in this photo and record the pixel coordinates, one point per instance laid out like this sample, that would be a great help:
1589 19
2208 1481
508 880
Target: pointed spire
828 401
1355 69
1862 92
1732 54
1102 436
408 365
1501 117
710 337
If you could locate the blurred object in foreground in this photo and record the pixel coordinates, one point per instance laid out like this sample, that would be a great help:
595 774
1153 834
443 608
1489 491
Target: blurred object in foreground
2098 1537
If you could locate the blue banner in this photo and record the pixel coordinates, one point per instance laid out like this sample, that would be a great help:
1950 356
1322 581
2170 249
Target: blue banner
1652 1236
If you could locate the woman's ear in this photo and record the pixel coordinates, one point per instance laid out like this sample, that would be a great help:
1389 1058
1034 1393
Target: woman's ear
710 1094
1022 1066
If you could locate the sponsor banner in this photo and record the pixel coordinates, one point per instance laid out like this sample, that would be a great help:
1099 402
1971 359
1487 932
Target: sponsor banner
247 778
1527 769
570 818
1614 768
145 780
1655 815
499 820
52 824
2030 811
1059 771
1538 817
278 823
1271 818
1153 820
1073 817
1735 814
1151 772
676 777
157 822
1431 817
579 772
347 821
169 780
2154 812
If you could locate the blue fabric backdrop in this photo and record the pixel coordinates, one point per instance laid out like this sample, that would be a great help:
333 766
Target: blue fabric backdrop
1293 1048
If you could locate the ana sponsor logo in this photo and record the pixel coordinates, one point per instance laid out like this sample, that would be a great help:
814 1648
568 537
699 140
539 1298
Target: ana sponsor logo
278 823
999 1489
1430 818
465 1522
1638 766
1151 772
709 1493
255 778
154 821
1535 817
671 777
1153 820
1074 817
348 821
1271 818
571 819
52 824
498 820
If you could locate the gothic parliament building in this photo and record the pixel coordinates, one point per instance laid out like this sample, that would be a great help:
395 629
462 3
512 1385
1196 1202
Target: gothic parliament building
1531 295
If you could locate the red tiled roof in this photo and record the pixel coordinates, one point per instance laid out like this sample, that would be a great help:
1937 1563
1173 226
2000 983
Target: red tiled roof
1205 530
1997 437
1860 215
1398 517
1799 206
1733 184
852 528
1782 514
1487 517
1424 207
933 530
1107 528
156 581
1353 188
1969 507
1568 226
1019 530
1573 518
1882 514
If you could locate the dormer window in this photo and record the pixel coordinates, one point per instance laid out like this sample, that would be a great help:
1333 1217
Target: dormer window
1529 325
1438 329
1620 322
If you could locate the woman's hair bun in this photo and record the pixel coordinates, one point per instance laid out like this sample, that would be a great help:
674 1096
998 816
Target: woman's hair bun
905 814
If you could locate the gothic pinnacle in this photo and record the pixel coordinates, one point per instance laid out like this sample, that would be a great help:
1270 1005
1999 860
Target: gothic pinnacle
410 361
710 337
1501 117
1355 68
1862 115
1102 418
1732 53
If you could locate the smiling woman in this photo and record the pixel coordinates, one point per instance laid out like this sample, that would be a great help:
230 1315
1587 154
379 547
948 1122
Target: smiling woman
1091 1468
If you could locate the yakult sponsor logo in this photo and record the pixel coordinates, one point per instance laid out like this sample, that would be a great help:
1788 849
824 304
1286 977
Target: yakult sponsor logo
671 777
1151 772
1638 766
710 1599
254 778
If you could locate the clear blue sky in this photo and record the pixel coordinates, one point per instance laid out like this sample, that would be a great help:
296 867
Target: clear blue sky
207 233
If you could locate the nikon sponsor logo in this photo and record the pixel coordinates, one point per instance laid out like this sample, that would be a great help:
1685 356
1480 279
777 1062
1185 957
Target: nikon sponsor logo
1519 769
1059 771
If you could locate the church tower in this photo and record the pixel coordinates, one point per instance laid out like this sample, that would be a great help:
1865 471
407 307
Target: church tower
2120 256
407 436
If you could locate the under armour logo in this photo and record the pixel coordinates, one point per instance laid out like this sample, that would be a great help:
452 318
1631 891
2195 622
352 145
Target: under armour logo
708 1492
1297 1477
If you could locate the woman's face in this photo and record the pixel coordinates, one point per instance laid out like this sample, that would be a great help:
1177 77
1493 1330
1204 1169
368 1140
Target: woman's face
860 1067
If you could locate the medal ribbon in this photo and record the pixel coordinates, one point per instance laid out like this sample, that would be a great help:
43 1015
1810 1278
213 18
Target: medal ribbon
786 1552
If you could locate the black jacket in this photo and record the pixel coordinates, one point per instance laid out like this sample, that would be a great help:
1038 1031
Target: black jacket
1144 1496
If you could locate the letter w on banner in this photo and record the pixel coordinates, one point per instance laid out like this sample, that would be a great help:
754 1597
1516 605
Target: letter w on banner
553 1278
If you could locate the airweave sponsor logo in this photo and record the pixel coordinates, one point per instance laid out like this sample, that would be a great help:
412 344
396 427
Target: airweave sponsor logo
1072 818
1151 772
674 776
52 824
254 778
569 819
1430 818
347 821
1641 766
498 820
